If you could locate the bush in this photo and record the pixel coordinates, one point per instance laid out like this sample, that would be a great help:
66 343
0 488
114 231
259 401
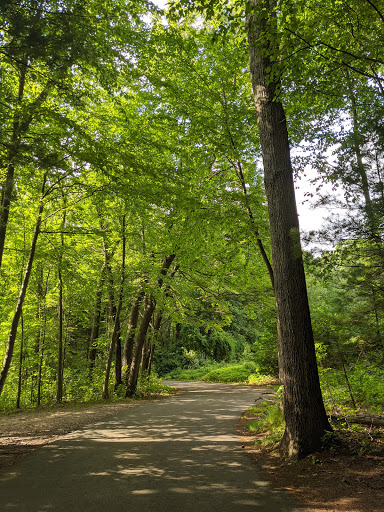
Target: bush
367 386
236 374
148 386
191 373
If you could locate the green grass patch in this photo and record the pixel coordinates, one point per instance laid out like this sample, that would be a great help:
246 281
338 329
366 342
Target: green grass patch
245 373
191 374
234 374
268 419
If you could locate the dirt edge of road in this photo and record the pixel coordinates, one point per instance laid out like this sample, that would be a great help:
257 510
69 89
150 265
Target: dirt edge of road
325 481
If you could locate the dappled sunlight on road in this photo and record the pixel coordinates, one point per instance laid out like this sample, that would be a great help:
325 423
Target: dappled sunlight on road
181 454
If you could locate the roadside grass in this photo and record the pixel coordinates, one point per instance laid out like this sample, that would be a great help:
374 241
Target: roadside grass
147 388
266 421
242 373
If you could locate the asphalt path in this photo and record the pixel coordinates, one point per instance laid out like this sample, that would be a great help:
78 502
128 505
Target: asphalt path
180 454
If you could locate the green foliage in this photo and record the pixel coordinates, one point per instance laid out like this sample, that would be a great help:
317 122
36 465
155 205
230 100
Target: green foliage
237 374
270 419
366 385
152 386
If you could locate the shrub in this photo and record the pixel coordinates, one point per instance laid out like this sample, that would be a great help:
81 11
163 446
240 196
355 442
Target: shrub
237 373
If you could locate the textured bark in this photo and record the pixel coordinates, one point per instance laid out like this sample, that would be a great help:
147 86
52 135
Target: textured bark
306 420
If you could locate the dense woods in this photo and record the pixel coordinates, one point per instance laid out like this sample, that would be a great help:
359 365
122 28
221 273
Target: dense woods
148 224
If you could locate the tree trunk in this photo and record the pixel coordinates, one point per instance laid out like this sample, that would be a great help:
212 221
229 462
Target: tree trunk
116 324
150 345
131 333
20 301
118 355
41 358
42 318
92 350
140 339
19 383
306 420
60 345
141 335
59 373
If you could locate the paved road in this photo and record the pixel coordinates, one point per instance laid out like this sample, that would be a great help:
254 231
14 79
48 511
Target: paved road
180 454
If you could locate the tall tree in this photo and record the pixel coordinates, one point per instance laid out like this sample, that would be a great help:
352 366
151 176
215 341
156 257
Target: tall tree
306 420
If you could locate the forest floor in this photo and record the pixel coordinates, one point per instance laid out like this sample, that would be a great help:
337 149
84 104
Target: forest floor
349 478
342 481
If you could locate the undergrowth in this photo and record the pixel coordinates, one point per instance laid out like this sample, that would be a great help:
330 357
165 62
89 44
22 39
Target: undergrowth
244 373
266 421
147 388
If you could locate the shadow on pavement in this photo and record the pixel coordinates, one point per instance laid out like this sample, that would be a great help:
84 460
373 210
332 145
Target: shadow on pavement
176 455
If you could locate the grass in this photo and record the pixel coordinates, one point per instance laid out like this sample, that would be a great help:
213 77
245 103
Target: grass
147 388
266 421
266 418
244 373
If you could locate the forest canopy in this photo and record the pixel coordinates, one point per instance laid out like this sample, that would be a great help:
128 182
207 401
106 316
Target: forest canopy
139 230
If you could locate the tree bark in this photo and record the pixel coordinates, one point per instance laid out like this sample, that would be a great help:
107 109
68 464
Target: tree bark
60 345
306 420
141 335
19 382
20 301
149 347
140 339
60 358
131 333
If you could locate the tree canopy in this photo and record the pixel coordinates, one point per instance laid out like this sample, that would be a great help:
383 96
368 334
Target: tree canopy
147 216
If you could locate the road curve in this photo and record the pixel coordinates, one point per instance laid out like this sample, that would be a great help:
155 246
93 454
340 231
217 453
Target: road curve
180 454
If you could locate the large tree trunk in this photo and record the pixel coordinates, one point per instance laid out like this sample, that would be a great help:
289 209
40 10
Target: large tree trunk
20 301
306 420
